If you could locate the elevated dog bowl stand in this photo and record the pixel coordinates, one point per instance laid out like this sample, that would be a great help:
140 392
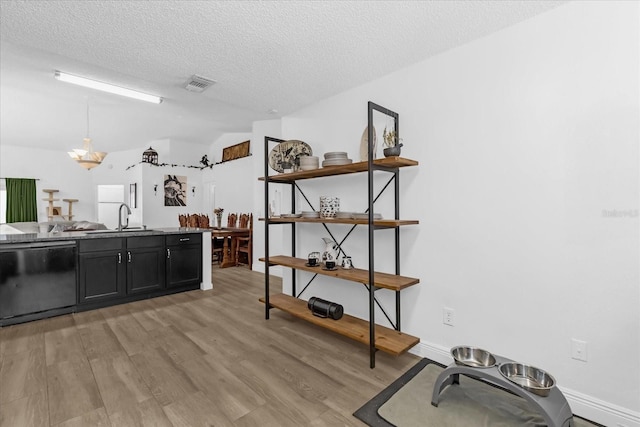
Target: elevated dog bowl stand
554 407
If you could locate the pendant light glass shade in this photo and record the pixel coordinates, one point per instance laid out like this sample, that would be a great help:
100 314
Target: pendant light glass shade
85 156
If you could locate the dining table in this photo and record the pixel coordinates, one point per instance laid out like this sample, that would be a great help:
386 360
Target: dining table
229 235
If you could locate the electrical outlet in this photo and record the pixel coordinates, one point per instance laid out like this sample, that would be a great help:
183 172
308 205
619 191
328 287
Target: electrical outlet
578 350
448 316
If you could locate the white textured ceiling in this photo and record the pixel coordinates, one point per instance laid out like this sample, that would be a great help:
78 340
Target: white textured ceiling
265 55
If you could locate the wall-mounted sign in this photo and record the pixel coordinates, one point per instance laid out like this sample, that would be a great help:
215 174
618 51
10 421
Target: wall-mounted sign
236 151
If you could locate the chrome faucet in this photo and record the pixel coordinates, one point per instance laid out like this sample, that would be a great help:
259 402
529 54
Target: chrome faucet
123 205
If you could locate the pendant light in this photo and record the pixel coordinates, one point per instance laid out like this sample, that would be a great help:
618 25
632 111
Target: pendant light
85 156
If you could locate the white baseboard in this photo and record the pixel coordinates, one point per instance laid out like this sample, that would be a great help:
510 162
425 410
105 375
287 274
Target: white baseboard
274 270
584 406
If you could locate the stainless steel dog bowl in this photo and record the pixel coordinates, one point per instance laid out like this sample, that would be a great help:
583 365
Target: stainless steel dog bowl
472 356
530 378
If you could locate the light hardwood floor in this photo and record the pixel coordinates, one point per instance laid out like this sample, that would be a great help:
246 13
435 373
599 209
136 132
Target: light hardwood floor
200 358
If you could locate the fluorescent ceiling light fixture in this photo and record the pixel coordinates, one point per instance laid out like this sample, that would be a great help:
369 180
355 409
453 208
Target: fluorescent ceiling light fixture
106 87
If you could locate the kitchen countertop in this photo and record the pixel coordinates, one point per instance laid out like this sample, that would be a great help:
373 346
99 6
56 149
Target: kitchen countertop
81 235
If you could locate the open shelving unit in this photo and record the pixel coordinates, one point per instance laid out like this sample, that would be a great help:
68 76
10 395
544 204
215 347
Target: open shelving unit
377 337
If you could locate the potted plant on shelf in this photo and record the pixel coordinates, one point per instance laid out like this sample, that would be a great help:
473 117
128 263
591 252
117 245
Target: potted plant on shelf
391 142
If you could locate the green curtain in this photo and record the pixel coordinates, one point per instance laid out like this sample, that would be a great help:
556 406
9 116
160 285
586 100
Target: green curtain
21 200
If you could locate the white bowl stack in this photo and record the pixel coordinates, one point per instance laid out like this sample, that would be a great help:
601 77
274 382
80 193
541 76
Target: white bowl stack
310 214
308 163
336 158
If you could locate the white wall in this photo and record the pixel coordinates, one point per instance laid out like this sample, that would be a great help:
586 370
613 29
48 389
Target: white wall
527 140
233 180
155 213
55 170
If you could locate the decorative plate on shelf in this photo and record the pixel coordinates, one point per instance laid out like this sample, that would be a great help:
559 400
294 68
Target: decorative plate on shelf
364 144
288 152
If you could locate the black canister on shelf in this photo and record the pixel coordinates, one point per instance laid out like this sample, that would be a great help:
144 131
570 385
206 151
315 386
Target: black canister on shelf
323 308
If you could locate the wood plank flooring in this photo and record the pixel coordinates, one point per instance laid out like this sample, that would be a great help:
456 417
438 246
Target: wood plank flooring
199 358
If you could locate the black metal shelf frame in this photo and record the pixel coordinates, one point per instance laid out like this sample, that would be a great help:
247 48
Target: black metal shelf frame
372 198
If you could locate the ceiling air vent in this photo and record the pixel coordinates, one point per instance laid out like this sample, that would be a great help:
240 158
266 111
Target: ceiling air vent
198 83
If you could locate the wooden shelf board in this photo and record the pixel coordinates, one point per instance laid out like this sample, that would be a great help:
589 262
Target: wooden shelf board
385 223
382 280
387 162
387 340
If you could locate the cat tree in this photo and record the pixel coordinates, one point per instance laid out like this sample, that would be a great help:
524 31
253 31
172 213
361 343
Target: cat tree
51 210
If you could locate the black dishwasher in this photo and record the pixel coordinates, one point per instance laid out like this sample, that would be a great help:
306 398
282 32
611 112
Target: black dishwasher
36 277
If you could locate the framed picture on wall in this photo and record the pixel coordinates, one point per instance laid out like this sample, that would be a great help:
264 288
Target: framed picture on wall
175 190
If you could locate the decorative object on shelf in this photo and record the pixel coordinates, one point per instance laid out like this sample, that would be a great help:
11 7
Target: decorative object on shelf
204 161
288 151
391 142
150 156
364 144
308 163
329 265
175 193
85 156
218 213
310 214
313 259
287 167
329 206
347 263
323 308
330 250
336 158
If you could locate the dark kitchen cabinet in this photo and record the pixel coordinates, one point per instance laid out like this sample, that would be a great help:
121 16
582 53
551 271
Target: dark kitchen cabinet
102 270
184 260
114 268
145 264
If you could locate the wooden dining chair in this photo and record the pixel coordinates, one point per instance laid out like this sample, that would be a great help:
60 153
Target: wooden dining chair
182 219
203 221
193 220
217 247
245 244
232 220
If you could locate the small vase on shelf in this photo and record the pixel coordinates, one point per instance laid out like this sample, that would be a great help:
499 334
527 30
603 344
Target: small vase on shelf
392 151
